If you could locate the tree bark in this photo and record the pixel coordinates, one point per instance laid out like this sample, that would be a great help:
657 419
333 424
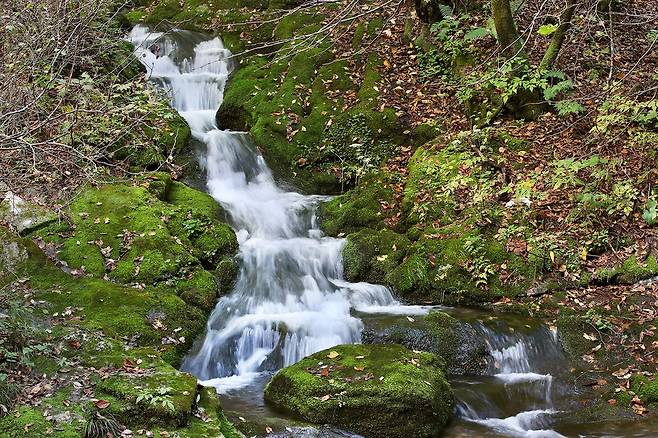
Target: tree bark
558 37
428 11
508 36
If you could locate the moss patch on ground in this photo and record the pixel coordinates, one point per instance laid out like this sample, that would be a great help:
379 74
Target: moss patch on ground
102 351
374 390
157 231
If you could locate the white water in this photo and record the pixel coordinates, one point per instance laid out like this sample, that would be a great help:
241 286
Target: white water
514 366
290 299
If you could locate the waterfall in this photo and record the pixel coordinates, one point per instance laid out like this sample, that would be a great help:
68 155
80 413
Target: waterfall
290 298
517 400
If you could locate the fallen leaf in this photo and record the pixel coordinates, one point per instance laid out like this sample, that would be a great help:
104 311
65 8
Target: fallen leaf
333 354
102 404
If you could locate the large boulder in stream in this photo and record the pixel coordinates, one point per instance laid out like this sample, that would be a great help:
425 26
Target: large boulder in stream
374 390
458 344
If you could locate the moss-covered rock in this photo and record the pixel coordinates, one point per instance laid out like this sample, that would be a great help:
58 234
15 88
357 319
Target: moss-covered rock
577 338
464 351
630 271
458 344
371 255
128 233
373 390
361 207
135 335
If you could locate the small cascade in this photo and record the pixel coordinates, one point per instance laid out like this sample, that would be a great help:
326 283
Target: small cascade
516 397
290 298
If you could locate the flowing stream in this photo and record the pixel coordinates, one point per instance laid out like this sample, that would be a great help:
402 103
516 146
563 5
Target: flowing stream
290 298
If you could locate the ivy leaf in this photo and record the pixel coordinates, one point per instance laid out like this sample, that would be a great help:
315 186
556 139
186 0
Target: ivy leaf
547 29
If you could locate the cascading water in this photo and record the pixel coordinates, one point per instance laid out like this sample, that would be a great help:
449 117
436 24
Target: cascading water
516 398
290 299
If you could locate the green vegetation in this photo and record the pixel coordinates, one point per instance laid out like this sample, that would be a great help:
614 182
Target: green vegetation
374 390
96 324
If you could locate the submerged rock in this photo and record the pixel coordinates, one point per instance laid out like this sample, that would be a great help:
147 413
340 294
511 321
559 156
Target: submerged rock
456 342
374 390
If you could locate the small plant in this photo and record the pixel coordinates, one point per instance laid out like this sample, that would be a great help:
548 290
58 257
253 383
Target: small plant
8 394
193 226
100 426
598 321
480 267
161 397
650 213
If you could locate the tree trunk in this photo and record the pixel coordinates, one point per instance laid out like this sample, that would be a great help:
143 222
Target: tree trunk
428 11
558 37
508 36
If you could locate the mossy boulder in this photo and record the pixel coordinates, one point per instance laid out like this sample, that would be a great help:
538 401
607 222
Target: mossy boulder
458 344
135 335
131 235
362 207
373 390
174 390
12 252
371 255
296 111
575 334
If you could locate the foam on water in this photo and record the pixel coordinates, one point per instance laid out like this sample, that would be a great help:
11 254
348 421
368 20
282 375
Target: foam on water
516 360
290 298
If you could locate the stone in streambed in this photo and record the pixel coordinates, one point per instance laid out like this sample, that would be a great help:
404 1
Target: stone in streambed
457 343
374 390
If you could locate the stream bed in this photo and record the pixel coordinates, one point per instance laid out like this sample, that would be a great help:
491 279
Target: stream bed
290 298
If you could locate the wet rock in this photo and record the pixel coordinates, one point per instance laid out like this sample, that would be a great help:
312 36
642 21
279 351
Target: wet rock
464 352
373 390
24 216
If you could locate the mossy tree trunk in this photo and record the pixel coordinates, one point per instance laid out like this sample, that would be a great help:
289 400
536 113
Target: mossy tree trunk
558 36
508 37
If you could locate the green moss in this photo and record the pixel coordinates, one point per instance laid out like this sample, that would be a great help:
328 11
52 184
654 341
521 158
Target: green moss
181 392
443 326
646 388
200 289
571 328
190 199
226 273
133 236
291 24
629 272
135 17
374 390
362 207
156 319
51 417
165 10
370 255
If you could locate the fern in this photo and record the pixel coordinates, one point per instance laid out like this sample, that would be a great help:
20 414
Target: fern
476 34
